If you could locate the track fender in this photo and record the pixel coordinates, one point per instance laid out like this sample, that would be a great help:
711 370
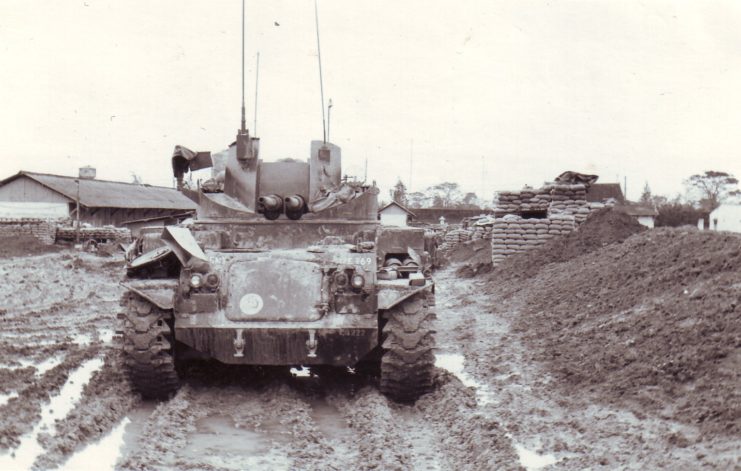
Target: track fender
391 294
159 292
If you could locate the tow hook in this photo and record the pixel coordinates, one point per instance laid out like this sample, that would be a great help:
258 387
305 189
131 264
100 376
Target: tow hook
239 344
312 343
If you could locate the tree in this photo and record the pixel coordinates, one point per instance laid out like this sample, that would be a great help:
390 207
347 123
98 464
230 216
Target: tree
470 200
646 197
445 195
417 199
676 213
713 187
399 193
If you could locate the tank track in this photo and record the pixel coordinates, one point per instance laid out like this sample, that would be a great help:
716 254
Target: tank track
148 347
408 362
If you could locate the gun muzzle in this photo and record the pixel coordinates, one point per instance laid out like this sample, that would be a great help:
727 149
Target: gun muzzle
295 206
271 206
271 202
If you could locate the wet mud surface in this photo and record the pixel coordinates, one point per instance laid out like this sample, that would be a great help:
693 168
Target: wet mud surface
499 403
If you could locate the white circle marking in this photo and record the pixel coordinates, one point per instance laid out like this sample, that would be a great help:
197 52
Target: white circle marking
251 304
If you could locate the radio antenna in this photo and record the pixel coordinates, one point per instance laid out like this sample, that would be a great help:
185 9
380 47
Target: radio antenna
257 74
321 81
244 124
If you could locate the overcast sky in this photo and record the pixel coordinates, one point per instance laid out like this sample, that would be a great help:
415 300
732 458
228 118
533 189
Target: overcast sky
490 94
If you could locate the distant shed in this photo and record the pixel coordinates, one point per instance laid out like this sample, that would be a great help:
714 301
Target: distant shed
394 214
644 214
30 194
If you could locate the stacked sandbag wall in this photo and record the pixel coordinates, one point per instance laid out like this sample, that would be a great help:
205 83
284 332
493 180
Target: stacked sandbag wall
513 234
455 237
526 200
481 232
42 229
568 199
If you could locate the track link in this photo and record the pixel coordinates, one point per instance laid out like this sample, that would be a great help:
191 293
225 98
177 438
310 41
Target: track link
408 362
148 347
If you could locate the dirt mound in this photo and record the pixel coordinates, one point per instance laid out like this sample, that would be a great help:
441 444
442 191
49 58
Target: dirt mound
653 324
604 227
474 258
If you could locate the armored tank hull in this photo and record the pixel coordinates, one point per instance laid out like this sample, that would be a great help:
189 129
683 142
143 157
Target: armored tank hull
295 275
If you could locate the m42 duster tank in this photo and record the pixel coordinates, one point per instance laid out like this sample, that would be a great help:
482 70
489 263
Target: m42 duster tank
284 264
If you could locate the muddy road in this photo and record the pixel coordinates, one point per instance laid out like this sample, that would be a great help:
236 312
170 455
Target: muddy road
65 403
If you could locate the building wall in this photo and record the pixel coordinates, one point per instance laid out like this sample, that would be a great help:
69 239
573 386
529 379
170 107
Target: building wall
647 221
24 189
16 209
394 216
728 218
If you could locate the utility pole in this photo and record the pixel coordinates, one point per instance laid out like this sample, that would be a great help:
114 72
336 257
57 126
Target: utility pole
77 213
411 160
625 188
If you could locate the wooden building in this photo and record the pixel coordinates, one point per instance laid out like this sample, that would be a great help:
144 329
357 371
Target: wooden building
394 214
29 194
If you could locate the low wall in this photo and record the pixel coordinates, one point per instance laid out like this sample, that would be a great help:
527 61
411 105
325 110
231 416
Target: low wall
42 229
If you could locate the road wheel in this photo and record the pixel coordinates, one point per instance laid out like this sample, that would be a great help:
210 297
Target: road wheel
408 361
148 342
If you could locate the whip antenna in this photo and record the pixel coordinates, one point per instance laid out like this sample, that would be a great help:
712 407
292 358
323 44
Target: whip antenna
321 82
243 116
257 73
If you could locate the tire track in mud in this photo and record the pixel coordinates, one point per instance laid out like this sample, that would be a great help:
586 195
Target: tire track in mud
105 400
55 314
316 424
254 421
21 413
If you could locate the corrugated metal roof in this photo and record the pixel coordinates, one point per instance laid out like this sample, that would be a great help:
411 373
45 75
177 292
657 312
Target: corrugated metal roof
599 192
108 194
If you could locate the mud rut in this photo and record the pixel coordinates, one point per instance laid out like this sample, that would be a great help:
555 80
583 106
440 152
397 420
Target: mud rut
504 416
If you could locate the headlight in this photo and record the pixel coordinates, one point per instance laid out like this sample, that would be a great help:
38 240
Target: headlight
357 281
340 279
212 280
196 281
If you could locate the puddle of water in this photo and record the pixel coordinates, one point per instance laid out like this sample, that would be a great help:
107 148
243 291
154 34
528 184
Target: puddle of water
104 453
106 335
134 430
455 364
218 443
41 367
329 420
59 406
82 339
47 364
4 398
301 372
531 461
